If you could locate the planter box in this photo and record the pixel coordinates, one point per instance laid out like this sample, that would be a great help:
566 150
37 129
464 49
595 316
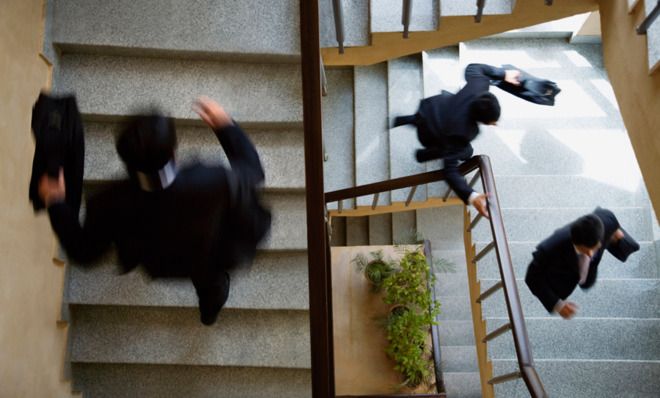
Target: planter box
361 365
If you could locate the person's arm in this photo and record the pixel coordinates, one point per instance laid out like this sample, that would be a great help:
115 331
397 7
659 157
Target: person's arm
241 153
82 244
536 280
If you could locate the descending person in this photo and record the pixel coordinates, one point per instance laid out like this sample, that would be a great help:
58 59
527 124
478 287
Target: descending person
447 123
197 222
570 258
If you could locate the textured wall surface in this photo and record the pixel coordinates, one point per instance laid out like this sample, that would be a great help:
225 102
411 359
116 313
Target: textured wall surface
31 344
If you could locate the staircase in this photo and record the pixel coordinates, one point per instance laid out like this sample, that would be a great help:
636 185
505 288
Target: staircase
130 336
551 165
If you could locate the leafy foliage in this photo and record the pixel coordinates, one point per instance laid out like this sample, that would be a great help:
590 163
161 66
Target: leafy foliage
376 270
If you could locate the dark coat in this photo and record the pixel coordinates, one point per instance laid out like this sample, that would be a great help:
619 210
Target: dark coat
207 221
445 127
553 273
59 143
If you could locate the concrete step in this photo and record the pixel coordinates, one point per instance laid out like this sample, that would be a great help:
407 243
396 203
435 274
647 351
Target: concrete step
536 224
586 378
564 191
642 264
274 281
456 333
356 24
357 231
267 32
112 86
583 338
442 70
372 162
158 335
450 8
338 231
653 39
386 16
404 227
459 359
281 153
405 90
443 226
462 384
380 229
628 298
174 381
337 107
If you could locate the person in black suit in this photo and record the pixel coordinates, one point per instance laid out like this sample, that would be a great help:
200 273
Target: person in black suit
570 258
447 123
197 222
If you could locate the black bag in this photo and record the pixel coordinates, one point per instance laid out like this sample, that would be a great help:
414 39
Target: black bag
624 247
531 88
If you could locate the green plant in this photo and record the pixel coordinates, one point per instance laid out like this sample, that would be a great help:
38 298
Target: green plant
407 329
376 270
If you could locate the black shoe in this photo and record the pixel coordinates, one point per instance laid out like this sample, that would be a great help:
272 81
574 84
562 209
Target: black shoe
403 120
209 311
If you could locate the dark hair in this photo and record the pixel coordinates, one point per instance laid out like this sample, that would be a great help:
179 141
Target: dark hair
147 142
485 108
587 231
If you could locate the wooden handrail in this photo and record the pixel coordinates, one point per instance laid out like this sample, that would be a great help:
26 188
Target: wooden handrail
514 307
320 303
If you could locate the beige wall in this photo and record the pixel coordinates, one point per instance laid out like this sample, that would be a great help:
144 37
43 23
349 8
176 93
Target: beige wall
637 92
32 345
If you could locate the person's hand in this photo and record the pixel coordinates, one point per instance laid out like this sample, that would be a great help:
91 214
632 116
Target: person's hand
212 113
512 76
617 235
569 310
480 202
52 190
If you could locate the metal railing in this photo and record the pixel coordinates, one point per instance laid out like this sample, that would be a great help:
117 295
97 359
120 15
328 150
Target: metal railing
338 11
406 14
516 324
648 21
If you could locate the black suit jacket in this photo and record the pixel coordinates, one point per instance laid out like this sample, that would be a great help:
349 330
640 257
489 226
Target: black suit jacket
553 273
59 143
208 220
446 129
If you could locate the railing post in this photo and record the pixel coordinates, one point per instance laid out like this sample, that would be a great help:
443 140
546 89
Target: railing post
338 10
405 17
480 10
479 325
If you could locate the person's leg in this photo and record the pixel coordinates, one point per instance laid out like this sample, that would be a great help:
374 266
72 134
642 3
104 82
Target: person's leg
212 291
403 120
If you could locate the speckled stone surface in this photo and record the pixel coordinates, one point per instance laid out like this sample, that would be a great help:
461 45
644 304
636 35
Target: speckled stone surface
251 93
356 23
462 384
274 281
380 229
281 153
372 162
173 381
405 90
587 379
450 8
639 265
147 335
536 224
442 71
443 226
459 358
653 38
608 338
386 15
624 298
357 231
337 108
404 227
237 27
